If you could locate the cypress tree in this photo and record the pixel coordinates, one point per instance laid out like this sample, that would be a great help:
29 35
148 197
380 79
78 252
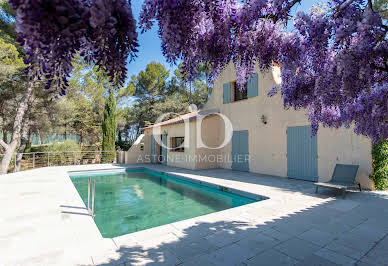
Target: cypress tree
109 129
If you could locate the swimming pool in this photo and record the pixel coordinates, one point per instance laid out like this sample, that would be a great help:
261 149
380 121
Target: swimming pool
132 200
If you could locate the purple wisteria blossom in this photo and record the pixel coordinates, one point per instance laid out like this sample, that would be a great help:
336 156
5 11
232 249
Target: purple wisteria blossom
334 63
52 32
195 31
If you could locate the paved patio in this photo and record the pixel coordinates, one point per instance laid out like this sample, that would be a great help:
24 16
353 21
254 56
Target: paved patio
43 222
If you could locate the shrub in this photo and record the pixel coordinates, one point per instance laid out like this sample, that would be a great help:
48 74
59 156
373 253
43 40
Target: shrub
380 165
67 145
109 130
123 145
27 149
62 153
94 147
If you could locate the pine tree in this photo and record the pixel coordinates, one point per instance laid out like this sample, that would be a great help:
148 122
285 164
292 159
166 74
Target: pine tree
109 129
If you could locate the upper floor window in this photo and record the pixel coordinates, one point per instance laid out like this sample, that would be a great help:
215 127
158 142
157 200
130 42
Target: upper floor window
232 94
239 94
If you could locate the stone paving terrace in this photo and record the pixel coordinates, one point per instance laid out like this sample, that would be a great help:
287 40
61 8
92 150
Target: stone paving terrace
43 221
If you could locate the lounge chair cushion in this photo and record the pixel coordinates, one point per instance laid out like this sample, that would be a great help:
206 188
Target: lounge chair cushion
344 173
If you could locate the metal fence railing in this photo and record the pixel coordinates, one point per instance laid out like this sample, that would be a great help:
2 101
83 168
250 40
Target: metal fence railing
27 161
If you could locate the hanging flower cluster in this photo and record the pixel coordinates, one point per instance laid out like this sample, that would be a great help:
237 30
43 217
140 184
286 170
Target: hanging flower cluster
217 32
334 63
195 31
52 32
336 66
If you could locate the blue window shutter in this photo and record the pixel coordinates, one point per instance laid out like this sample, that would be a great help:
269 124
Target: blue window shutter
253 86
226 92
240 150
152 149
302 154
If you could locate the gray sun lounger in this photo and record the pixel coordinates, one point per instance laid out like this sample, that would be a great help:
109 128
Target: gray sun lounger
344 176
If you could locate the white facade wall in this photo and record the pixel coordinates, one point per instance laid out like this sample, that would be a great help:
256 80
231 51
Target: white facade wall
267 142
179 159
139 151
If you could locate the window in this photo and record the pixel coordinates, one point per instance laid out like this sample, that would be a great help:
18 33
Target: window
239 94
177 144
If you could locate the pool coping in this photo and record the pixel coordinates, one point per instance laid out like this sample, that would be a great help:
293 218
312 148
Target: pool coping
38 226
226 188
81 241
213 185
173 227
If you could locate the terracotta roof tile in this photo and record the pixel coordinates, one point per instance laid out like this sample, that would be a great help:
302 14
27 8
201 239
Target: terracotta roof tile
185 117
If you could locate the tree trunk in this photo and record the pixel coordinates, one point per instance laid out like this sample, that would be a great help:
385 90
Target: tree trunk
24 135
5 135
66 128
17 125
39 138
22 147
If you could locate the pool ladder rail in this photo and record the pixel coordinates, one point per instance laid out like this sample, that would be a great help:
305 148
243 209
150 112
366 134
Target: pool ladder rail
93 193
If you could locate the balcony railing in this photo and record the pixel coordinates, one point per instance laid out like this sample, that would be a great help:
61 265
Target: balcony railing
34 160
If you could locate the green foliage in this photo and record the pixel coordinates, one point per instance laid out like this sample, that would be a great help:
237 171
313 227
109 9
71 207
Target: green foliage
109 129
195 91
81 110
381 6
7 25
151 84
13 83
67 145
121 144
39 148
380 165
62 153
13 80
10 60
157 95
93 147
27 149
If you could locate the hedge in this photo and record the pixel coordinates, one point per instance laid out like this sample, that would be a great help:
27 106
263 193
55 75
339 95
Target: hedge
380 165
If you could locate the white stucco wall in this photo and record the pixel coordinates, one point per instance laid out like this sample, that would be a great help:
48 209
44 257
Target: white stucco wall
135 154
178 159
343 146
181 159
268 143
210 132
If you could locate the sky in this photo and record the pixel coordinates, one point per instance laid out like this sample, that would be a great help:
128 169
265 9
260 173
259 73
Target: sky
150 44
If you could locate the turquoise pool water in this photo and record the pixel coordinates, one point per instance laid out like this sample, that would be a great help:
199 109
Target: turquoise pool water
138 199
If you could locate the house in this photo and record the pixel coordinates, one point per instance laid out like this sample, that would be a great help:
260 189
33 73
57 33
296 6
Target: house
249 131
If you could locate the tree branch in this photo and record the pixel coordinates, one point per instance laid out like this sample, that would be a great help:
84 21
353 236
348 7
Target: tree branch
275 18
3 144
290 5
20 112
370 5
340 9
385 69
